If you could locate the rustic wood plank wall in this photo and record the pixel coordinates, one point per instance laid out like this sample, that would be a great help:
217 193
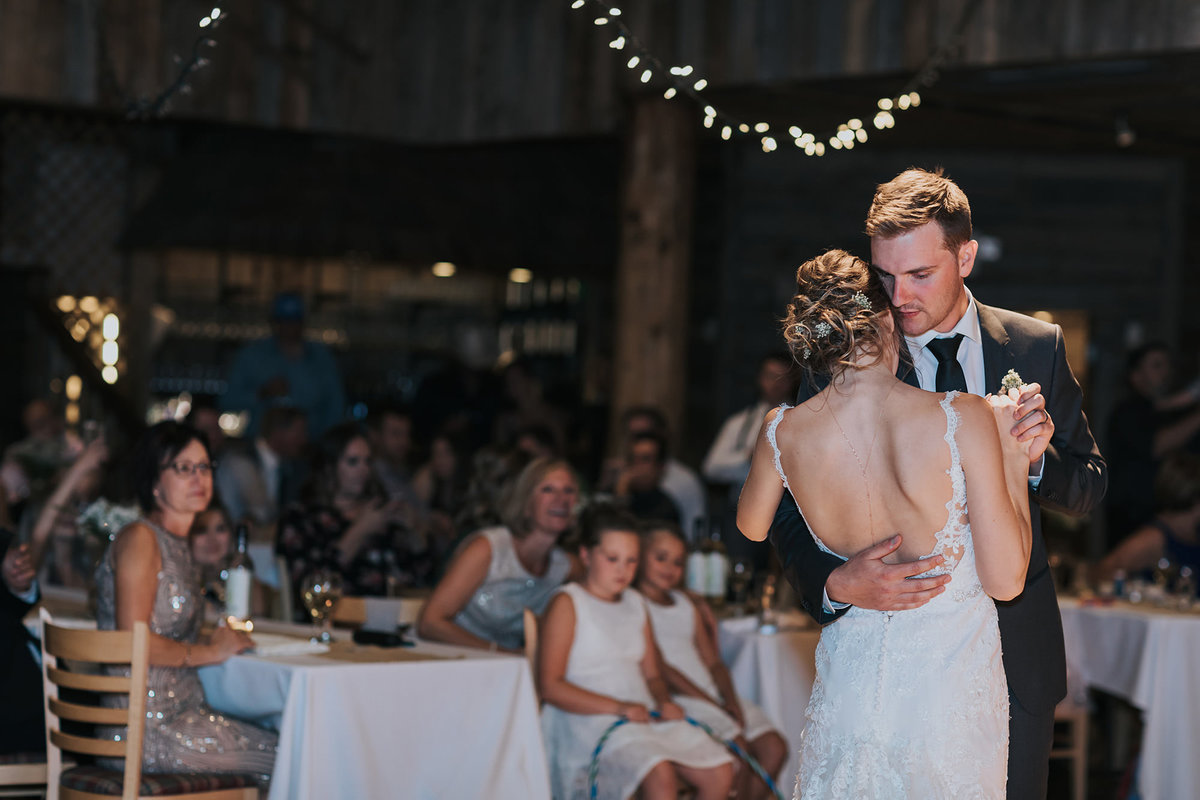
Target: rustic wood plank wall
471 70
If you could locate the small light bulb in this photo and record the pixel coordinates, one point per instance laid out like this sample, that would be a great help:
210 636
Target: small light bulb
914 99
726 132
855 124
795 132
577 4
861 134
204 23
646 74
633 62
699 85
885 104
744 128
820 148
903 101
708 122
601 20
669 93
616 12
709 111
761 127
216 12
617 43
809 149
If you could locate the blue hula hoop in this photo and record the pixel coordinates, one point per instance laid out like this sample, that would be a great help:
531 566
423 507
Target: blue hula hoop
728 744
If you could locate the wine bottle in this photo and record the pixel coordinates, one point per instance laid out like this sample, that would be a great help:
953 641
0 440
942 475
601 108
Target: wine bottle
239 576
718 569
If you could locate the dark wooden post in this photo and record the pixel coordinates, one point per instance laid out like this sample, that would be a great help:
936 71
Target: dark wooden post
657 205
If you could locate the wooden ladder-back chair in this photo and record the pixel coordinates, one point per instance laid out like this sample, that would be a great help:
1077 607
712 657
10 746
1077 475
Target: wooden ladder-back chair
88 652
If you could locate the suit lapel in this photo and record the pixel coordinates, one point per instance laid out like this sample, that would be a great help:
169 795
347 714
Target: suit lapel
997 357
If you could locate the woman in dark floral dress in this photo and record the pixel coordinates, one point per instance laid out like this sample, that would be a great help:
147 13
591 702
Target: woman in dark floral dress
343 522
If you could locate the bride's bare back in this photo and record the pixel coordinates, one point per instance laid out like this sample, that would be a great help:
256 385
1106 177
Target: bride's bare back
906 469
896 434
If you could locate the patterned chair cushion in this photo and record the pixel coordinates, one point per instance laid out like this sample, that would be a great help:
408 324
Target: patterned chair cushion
108 781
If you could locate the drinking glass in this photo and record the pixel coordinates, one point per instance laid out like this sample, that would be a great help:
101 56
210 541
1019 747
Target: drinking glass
320 592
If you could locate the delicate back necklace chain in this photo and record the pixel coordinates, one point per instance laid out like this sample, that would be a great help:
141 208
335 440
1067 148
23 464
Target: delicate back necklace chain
862 466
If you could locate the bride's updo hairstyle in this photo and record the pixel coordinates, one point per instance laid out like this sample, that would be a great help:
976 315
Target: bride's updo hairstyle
836 311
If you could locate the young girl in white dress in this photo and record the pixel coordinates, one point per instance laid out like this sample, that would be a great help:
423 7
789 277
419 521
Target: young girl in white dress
697 677
598 663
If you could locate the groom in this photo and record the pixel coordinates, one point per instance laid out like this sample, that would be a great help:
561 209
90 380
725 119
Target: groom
920 229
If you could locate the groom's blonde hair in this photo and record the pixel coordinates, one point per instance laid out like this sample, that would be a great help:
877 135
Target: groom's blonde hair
916 197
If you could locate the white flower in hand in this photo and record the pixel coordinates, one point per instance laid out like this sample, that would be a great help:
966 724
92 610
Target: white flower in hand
1012 380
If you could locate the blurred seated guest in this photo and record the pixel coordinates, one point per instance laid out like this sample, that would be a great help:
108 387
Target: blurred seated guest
679 481
638 484
204 416
258 479
498 572
343 522
536 441
728 460
1172 533
31 466
72 555
212 541
440 486
493 471
147 575
390 432
24 729
524 403
286 369
1144 428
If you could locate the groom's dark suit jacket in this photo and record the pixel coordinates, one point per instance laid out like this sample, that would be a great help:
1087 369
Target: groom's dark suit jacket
1073 481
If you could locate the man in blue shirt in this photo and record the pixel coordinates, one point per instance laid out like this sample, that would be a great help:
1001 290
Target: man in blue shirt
286 369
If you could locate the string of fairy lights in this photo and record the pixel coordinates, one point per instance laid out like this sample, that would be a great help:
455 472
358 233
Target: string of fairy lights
160 105
684 81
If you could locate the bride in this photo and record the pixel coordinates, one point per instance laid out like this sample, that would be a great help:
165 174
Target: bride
906 704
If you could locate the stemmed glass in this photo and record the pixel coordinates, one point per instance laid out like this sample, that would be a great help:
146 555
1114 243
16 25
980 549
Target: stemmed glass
321 590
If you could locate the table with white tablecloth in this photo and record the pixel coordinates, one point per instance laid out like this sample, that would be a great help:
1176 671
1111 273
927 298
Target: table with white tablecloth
439 722
1150 658
775 670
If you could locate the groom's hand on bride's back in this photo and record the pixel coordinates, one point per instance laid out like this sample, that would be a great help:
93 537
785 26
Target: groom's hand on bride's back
867 582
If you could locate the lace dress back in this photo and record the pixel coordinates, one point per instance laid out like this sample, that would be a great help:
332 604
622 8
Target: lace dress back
182 733
911 704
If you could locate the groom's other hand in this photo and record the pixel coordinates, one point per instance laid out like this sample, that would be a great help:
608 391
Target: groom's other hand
867 582
1033 420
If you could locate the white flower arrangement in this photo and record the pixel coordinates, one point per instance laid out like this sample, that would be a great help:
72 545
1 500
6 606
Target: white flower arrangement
104 520
1011 380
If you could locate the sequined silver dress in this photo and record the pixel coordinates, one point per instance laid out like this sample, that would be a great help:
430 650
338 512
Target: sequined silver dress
182 733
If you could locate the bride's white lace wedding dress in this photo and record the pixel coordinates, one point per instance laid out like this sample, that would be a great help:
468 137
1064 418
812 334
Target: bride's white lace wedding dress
911 704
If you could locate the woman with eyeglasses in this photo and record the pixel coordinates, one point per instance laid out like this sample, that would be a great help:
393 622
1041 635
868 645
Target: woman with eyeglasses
148 575
344 523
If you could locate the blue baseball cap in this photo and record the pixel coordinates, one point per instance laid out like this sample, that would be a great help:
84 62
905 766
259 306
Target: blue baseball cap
287 307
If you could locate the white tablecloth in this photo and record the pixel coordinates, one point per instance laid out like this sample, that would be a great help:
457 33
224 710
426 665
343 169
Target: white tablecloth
776 671
457 728
1149 658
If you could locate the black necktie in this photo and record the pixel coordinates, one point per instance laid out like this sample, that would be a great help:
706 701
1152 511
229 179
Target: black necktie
950 376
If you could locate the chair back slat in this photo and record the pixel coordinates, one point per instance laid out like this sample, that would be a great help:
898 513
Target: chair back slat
109 684
97 715
98 647
87 745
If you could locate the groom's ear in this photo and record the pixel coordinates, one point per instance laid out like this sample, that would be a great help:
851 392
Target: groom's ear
966 257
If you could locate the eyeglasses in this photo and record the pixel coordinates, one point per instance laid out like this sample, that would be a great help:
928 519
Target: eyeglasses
187 468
